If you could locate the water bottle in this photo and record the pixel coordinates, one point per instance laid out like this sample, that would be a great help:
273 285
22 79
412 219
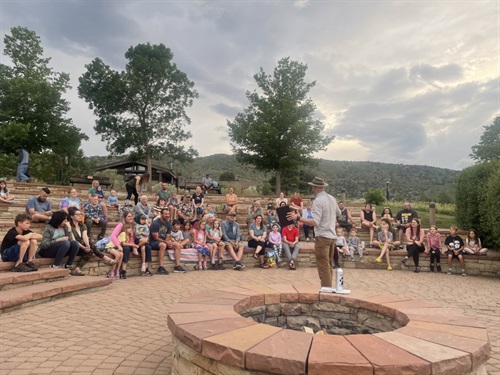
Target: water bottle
340 280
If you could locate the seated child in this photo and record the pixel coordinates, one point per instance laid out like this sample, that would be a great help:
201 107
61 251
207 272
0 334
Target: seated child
162 203
434 247
384 238
341 243
214 237
275 239
270 206
455 246
209 209
113 200
172 205
141 234
200 244
5 196
354 244
473 244
187 233
273 218
127 207
177 235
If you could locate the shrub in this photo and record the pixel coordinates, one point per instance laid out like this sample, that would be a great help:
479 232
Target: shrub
374 196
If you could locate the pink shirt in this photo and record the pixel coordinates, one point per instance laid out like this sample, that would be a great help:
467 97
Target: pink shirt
434 241
116 232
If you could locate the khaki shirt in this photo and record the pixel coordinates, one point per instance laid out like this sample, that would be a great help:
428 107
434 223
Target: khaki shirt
324 212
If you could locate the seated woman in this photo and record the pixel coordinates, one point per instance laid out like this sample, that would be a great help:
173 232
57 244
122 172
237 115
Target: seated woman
414 243
5 196
58 242
257 238
231 202
280 200
87 249
253 211
198 200
71 200
368 220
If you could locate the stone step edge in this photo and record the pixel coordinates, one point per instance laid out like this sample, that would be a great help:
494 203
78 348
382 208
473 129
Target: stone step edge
19 279
22 297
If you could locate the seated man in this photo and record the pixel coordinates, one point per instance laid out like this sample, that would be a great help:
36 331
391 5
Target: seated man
290 240
231 235
94 215
404 218
19 245
160 233
39 207
207 183
163 193
344 220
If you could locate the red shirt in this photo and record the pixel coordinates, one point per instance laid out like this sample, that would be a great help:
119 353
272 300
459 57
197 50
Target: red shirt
296 201
290 234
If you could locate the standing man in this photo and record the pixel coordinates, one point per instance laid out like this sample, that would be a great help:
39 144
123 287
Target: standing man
23 165
404 218
324 213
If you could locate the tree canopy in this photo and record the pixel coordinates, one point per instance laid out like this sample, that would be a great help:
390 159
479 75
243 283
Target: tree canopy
143 107
488 148
32 108
278 131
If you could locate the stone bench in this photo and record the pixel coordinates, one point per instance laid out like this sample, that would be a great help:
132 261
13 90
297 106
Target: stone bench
250 329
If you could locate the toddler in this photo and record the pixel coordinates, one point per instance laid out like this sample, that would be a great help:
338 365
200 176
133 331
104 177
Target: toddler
113 200
341 243
200 244
99 191
354 244
141 234
434 247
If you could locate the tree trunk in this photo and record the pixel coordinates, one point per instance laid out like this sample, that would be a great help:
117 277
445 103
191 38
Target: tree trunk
278 183
149 162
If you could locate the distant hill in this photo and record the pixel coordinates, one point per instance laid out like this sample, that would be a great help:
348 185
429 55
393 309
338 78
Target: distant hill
414 182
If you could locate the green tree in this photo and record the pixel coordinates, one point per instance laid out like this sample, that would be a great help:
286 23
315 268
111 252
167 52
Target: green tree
227 176
32 108
374 196
277 131
143 107
491 199
488 148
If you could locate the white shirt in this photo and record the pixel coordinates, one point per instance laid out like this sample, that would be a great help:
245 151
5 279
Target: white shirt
324 211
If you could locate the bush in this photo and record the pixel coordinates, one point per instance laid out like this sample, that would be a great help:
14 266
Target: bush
227 176
374 196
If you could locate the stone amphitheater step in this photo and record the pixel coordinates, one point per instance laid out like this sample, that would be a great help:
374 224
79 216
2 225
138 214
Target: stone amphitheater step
11 280
24 296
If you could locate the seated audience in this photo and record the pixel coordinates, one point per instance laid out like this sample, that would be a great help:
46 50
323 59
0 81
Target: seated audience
354 244
173 205
253 211
434 247
257 238
404 218
344 220
414 243
198 200
395 243
5 196
473 244
113 200
307 213
94 216
368 220
231 235
143 208
207 183
296 201
71 200
280 199
290 240
58 242
341 243
19 245
141 234
186 210
123 244
455 246
163 193
385 239
39 207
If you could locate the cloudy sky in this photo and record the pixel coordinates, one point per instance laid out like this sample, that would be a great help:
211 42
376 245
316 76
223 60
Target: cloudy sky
410 82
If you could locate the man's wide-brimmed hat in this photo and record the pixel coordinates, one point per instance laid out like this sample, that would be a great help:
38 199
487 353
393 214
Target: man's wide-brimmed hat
318 181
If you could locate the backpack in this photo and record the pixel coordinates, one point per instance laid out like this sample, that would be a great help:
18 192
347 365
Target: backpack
101 244
128 178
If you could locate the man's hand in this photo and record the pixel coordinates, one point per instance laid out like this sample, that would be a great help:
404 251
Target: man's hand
292 216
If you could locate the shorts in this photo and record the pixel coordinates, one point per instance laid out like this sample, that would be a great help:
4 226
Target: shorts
155 245
228 243
11 254
451 252
138 239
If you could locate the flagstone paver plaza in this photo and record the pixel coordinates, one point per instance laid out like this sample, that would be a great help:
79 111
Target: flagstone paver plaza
123 329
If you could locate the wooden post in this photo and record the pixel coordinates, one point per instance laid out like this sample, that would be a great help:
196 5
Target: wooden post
432 213
342 195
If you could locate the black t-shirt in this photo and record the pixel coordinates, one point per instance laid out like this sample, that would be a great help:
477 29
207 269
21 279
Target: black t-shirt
10 238
163 229
455 242
197 198
406 216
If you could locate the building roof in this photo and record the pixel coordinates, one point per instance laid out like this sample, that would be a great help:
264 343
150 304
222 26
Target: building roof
127 167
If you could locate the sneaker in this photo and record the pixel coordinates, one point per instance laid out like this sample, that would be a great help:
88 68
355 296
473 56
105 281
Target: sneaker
463 273
337 265
110 275
449 271
53 266
362 260
237 266
123 274
265 266
389 268
378 260
404 261
179 269
116 276
438 268
352 259
214 267
401 247
143 267
417 270
21 267
221 267
307 239
162 270
32 265
147 272
432 267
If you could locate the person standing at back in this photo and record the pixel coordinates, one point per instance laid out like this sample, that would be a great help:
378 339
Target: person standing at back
23 165
325 211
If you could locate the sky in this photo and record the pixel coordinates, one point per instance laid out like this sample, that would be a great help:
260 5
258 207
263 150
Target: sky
411 82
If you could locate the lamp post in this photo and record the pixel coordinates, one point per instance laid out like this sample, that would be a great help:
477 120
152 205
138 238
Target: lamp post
387 190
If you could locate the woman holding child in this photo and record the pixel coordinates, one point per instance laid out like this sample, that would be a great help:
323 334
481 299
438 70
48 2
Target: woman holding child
87 249
127 219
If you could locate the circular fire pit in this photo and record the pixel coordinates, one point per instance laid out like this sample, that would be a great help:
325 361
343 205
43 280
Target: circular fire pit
241 330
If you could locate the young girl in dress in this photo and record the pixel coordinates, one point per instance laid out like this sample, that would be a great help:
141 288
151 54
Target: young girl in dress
434 247
275 239
473 244
214 235
5 196
187 232
200 244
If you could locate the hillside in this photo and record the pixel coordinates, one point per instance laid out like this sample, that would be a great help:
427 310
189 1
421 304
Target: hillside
406 181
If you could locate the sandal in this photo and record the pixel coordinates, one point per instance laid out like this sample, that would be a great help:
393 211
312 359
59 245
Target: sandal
264 265
76 272
108 261
292 265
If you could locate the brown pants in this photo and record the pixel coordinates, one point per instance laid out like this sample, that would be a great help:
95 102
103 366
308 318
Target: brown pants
324 249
